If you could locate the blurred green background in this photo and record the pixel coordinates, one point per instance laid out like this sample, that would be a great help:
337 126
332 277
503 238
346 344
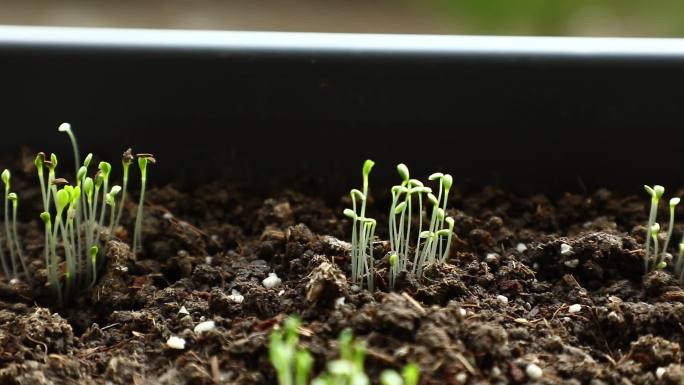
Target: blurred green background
485 17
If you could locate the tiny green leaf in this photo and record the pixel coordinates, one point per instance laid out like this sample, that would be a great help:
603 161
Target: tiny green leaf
649 190
415 183
450 222
443 233
105 168
403 171
411 374
358 193
447 181
350 213
64 127
400 208
81 173
433 199
87 160
367 167
659 191
40 158
393 259
661 265
425 234
399 189
93 253
115 190
440 213
12 196
62 199
390 377
6 176
45 217
674 202
435 176
53 160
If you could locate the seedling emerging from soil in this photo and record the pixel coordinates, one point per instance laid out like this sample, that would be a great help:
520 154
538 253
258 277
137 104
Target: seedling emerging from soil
656 192
292 363
349 368
126 161
75 225
143 161
363 231
66 127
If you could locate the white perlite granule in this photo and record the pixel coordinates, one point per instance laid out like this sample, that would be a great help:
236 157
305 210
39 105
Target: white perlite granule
175 343
236 297
576 308
565 249
271 281
503 299
204 327
534 372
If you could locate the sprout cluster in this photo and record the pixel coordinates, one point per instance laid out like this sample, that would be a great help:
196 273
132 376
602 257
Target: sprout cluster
431 244
293 363
16 256
74 217
411 202
654 256
363 231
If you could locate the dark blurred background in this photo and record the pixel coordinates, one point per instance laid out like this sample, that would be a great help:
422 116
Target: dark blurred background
653 18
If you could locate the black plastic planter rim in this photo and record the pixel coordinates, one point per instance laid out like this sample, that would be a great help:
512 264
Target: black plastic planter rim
528 113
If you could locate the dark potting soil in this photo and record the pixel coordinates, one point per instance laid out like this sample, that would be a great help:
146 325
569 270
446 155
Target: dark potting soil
501 303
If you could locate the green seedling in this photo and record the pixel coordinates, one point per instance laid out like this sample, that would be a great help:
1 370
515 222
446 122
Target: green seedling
656 192
363 232
143 161
292 364
673 204
126 161
66 127
14 198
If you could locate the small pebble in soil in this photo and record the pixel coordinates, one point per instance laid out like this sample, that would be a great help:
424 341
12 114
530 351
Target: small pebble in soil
461 378
271 281
462 312
204 327
167 215
236 297
208 260
492 258
573 263
660 372
183 311
576 308
534 372
175 343
520 247
503 299
565 249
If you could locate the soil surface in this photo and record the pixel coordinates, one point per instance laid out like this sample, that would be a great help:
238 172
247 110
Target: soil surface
506 299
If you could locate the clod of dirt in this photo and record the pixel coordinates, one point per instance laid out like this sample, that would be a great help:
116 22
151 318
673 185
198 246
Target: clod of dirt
326 284
45 330
652 352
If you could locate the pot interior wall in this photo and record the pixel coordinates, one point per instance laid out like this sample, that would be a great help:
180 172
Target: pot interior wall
525 122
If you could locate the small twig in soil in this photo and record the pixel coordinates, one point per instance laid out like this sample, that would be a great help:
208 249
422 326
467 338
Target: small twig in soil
414 303
466 364
43 344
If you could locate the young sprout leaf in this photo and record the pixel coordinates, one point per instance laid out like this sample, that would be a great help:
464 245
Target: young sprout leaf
411 374
390 377
400 208
45 217
403 171
367 167
447 181
350 213
435 176
425 234
433 199
62 199
6 176
674 202
87 160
